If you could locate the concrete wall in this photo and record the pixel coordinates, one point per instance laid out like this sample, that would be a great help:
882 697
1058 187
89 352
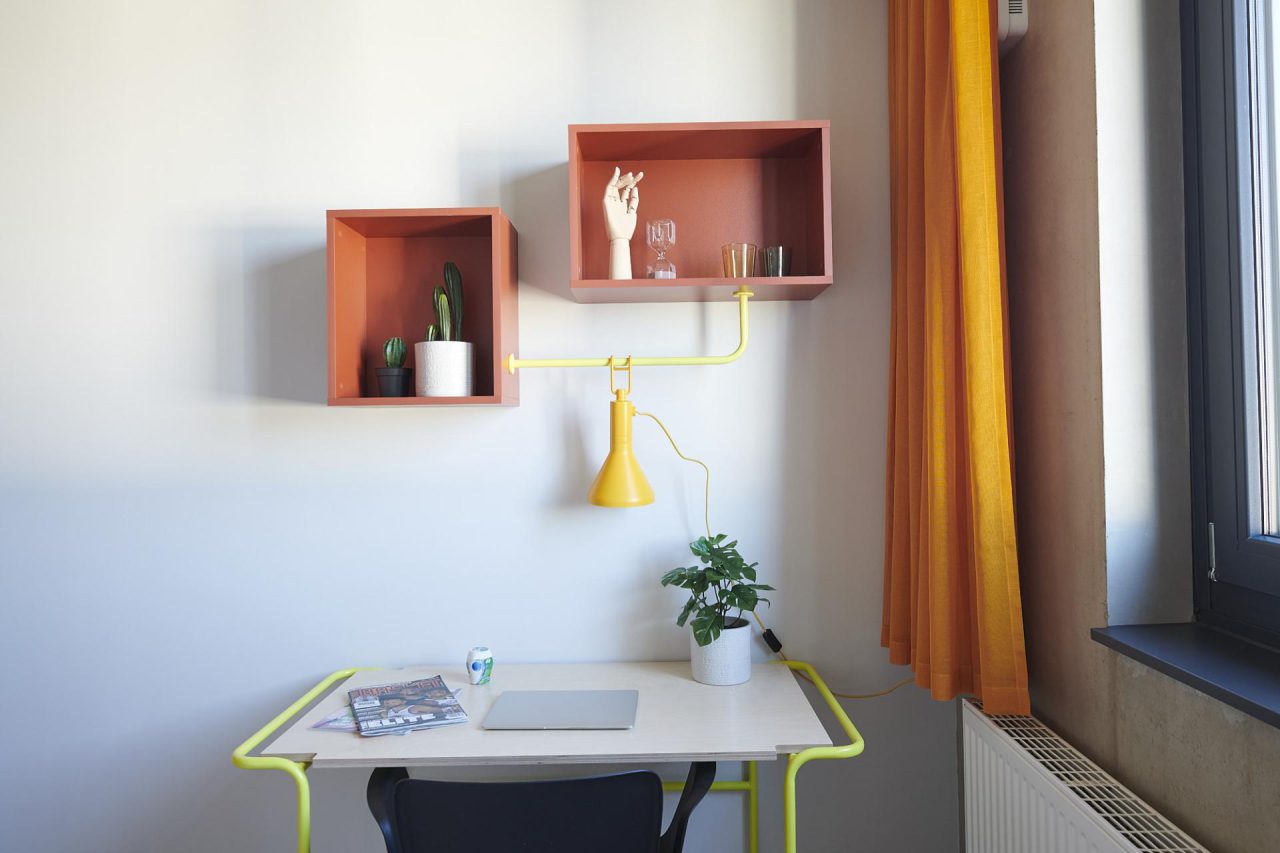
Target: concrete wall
1093 186
189 537
1051 189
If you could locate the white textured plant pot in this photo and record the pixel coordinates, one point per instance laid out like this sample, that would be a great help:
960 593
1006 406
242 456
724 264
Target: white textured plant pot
443 368
727 660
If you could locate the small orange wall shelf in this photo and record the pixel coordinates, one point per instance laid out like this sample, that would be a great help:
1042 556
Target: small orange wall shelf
767 183
383 265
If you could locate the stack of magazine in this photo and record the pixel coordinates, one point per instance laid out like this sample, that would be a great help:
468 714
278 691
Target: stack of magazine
394 709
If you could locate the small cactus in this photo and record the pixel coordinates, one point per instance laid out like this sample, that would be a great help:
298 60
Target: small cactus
453 286
444 320
393 352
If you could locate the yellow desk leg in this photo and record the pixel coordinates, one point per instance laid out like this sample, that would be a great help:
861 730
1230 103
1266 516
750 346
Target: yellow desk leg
798 760
241 758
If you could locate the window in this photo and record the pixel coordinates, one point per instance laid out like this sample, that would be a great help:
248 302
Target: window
1231 113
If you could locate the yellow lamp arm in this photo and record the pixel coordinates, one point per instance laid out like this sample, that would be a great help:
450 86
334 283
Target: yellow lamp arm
742 294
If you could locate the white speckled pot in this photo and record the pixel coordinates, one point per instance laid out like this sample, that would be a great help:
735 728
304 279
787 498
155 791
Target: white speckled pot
443 368
727 660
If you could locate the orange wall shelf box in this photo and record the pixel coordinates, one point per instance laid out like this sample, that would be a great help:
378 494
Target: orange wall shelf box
767 183
383 265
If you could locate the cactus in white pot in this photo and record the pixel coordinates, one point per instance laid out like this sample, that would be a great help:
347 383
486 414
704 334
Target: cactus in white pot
444 360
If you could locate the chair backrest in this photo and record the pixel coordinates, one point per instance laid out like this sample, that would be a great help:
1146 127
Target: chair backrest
620 813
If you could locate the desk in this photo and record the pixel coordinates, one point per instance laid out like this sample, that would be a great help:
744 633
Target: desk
677 719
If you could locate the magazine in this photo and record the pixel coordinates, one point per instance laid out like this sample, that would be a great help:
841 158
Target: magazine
338 721
405 707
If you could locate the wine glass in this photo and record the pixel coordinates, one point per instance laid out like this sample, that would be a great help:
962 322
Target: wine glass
661 237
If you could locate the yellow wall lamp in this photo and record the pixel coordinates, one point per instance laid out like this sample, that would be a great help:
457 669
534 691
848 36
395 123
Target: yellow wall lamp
621 482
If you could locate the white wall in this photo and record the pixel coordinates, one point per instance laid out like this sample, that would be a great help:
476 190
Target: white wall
190 538
1143 312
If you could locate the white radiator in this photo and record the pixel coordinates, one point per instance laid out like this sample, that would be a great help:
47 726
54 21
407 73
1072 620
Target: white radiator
1026 790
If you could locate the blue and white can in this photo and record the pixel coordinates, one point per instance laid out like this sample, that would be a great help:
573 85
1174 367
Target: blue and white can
480 665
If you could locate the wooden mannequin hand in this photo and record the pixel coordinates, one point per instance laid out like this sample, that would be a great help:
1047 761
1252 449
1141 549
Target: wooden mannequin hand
621 198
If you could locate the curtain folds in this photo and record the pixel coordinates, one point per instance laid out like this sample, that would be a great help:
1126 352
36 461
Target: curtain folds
952 606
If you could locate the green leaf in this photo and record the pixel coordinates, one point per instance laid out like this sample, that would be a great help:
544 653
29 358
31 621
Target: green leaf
706 628
744 597
684 613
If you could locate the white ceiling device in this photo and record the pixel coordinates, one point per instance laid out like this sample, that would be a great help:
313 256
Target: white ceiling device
1012 23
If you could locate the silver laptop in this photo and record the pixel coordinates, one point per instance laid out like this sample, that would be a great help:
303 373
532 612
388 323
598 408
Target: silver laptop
563 709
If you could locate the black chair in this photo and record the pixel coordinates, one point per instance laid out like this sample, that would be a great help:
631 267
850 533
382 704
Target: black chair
621 813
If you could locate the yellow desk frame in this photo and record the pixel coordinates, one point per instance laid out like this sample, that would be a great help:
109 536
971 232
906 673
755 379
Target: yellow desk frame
297 770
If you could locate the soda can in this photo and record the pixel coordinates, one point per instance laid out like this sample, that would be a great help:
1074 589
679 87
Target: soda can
480 665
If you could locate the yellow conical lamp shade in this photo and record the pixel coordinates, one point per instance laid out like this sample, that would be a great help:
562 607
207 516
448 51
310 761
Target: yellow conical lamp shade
620 482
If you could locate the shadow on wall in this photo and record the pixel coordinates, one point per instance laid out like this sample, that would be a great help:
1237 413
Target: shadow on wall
837 361
270 339
538 205
808 534
578 471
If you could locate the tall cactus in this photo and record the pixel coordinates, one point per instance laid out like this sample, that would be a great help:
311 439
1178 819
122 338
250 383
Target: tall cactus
443 318
393 352
433 332
453 284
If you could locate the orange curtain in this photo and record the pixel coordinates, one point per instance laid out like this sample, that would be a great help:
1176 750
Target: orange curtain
952 607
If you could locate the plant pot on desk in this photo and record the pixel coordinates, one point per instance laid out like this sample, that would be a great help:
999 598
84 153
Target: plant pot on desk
444 368
395 381
726 659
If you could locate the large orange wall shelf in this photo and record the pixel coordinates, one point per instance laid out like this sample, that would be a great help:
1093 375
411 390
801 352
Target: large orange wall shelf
767 183
383 265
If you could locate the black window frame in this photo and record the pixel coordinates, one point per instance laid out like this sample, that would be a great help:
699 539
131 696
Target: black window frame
1236 569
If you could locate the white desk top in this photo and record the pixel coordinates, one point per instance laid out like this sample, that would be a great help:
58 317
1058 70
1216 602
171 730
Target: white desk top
677 719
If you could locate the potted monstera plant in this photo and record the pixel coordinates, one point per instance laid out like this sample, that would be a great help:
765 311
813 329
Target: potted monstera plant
721 589
444 358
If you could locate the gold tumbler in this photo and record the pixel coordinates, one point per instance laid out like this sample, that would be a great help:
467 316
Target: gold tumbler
739 259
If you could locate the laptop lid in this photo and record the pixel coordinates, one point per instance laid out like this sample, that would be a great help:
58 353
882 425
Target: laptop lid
563 709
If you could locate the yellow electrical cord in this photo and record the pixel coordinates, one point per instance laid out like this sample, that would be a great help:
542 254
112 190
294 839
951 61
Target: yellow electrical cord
706 519
706 496
884 692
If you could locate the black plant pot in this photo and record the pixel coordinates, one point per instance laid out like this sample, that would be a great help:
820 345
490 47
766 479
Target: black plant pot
395 381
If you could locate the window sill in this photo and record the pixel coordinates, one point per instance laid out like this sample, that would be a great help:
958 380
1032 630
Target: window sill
1242 674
